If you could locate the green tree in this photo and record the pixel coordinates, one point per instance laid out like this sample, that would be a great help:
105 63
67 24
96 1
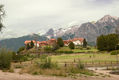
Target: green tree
28 47
60 42
2 13
31 44
101 43
84 43
107 42
112 40
71 45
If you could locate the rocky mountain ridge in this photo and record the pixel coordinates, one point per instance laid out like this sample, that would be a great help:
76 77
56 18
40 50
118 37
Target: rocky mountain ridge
90 30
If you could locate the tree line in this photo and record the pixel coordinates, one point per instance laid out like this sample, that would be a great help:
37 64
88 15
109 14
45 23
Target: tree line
108 42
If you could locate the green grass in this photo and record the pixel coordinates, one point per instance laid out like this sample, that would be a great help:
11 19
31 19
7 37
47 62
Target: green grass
76 50
84 57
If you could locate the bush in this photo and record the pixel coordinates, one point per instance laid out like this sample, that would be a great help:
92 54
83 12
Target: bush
88 48
45 63
116 52
19 57
80 65
5 59
67 52
47 49
21 49
55 46
71 45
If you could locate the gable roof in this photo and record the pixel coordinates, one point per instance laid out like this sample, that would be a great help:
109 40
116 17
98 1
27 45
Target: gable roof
80 39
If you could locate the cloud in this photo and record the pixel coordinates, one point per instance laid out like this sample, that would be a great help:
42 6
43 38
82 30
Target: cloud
30 16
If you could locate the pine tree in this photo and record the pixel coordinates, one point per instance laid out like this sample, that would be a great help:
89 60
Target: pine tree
71 45
84 43
31 44
60 42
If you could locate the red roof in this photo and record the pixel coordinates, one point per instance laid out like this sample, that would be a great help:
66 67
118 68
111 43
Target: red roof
67 41
51 41
80 39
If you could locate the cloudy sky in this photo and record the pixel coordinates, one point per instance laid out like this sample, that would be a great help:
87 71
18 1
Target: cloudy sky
34 16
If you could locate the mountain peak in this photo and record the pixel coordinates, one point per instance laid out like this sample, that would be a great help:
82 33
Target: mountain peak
107 18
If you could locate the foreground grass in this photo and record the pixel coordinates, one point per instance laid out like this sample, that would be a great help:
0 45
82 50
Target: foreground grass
60 71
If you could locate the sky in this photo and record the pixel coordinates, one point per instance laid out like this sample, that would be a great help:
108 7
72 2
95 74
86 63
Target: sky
37 16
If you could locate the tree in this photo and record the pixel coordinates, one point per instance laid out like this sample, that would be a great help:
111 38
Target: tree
2 13
84 43
28 47
101 43
112 40
55 46
107 42
71 45
60 42
31 44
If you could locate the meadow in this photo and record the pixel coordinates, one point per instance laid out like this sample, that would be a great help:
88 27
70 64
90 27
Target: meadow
84 57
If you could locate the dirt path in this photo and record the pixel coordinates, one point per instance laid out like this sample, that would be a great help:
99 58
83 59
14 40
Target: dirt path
17 76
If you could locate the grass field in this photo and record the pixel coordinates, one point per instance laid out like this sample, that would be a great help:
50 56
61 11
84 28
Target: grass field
77 50
84 57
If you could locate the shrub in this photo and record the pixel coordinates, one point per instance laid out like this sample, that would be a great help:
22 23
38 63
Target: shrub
71 45
67 52
21 49
47 64
88 48
5 59
47 49
55 46
19 57
80 65
116 52
43 57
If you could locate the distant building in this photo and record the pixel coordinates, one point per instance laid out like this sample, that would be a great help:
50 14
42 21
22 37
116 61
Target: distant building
76 41
36 43
67 42
51 41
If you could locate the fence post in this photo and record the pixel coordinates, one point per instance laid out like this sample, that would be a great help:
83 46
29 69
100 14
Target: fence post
65 65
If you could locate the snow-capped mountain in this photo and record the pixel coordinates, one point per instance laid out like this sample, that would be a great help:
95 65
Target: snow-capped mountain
90 30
